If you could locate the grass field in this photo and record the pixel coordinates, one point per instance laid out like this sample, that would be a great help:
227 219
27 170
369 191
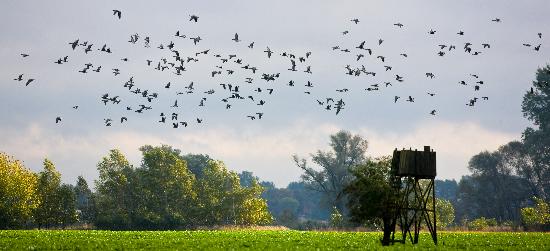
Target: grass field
256 240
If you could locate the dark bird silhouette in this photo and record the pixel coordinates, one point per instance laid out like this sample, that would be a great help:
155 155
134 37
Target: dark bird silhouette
460 33
432 112
57 120
497 20
194 18
431 94
236 38
381 58
293 67
19 78
400 25
24 55
74 44
355 20
361 46
410 99
308 70
196 39
486 45
527 45
380 41
387 67
537 48
403 54
29 81
395 99
398 78
431 32
251 45
539 34
269 52
122 119
117 13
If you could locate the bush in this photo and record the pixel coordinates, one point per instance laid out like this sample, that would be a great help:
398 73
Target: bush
481 224
538 217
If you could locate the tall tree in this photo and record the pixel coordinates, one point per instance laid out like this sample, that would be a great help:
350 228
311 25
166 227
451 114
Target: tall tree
371 197
115 202
17 192
536 141
85 203
167 187
49 181
347 151
493 190
67 209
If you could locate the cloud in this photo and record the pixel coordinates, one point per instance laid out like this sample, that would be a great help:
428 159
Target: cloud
266 153
455 143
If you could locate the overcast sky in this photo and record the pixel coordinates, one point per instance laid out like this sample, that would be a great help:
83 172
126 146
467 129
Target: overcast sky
293 122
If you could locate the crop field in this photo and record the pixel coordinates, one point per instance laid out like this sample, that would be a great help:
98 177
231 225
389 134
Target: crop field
256 240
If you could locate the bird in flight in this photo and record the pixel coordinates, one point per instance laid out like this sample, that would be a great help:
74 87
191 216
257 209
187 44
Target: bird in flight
24 55
236 38
29 81
400 25
19 78
57 120
117 13
355 20
497 20
194 18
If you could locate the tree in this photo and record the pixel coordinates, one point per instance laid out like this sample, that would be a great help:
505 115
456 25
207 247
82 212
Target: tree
49 181
445 213
493 190
446 189
536 141
17 192
114 192
371 197
224 201
67 209
85 203
536 217
167 187
347 151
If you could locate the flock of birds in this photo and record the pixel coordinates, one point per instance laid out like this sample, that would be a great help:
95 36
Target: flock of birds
246 92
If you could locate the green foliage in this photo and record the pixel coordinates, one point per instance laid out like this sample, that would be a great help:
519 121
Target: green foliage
166 188
164 194
482 223
85 201
114 199
536 217
370 195
49 181
17 193
493 190
347 151
224 201
336 218
446 189
445 213
259 240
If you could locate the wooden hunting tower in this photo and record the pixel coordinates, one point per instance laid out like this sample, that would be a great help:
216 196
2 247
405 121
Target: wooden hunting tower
413 174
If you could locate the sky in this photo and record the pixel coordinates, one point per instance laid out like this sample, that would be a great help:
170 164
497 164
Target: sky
292 121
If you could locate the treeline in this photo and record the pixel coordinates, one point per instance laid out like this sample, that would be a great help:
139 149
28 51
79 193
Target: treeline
512 184
167 191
